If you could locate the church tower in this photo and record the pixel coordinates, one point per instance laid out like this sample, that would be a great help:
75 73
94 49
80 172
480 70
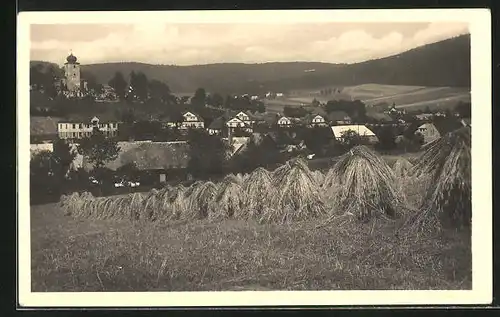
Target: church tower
72 73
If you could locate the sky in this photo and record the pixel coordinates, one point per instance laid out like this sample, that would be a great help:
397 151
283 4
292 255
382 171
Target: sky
194 44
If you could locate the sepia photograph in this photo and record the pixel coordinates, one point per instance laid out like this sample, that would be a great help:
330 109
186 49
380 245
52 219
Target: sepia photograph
221 158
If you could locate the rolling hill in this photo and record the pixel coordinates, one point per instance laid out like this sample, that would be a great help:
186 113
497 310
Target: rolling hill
441 64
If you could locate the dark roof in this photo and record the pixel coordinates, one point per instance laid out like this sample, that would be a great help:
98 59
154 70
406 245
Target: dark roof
152 155
217 124
338 115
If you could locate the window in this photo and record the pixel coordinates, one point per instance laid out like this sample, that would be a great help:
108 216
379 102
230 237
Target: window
74 126
81 125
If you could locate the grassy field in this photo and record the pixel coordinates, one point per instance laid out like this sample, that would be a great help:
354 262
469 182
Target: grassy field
216 254
100 255
414 97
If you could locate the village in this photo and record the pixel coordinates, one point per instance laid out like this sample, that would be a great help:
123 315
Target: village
159 147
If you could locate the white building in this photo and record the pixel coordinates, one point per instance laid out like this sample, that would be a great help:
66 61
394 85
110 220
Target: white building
360 130
191 120
284 122
78 130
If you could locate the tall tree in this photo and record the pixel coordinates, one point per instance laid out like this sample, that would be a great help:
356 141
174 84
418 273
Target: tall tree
159 91
99 149
140 85
199 98
64 155
119 84
207 154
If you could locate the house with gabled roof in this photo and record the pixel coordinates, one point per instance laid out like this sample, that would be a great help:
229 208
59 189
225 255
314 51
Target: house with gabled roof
314 120
284 122
435 129
191 120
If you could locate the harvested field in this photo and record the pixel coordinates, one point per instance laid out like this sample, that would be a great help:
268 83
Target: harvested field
289 229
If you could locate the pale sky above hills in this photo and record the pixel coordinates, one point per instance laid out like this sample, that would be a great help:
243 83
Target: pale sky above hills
188 44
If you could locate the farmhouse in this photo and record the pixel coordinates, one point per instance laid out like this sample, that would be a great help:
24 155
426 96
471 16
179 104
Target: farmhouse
246 117
151 158
81 128
360 130
191 120
432 131
315 120
237 123
284 122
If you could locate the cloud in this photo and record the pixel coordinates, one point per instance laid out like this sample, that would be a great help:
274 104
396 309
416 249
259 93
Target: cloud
184 44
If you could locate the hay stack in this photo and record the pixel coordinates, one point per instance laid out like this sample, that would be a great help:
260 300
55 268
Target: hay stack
173 203
279 173
297 197
200 197
362 184
319 177
448 162
402 167
150 210
259 191
228 201
71 204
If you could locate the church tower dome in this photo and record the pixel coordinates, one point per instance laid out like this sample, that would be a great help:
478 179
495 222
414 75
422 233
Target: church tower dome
71 59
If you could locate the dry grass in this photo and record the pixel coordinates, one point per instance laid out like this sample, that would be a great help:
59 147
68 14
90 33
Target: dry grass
447 162
258 193
298 196
402 167
199 200
87 255
229 199
362 184
94 250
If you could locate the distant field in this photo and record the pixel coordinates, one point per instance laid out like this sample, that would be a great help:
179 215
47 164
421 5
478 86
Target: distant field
403 96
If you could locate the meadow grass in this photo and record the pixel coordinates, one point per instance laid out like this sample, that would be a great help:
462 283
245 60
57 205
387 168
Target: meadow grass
75 254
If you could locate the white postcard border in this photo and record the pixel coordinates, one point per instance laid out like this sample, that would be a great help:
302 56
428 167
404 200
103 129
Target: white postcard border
481 89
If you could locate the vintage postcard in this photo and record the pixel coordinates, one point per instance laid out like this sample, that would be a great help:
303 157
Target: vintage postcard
254 158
